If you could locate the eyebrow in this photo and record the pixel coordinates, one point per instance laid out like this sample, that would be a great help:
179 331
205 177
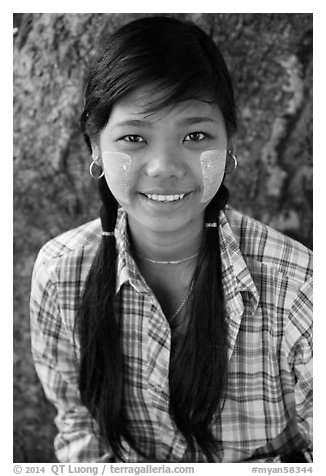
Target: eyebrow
187 121
182 122
132 122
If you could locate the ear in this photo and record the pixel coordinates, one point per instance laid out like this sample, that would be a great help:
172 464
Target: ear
96 152
231 144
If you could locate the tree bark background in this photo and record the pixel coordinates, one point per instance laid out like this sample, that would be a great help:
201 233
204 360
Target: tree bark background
270 58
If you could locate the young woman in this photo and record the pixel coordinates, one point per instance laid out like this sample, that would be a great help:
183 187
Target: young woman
175 329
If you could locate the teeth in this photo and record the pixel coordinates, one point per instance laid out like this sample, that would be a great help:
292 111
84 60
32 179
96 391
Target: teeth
165 198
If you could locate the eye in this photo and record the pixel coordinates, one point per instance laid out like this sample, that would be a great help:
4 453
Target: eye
132 138
195 137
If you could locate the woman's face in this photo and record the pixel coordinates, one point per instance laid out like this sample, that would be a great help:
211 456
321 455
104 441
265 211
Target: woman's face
157 165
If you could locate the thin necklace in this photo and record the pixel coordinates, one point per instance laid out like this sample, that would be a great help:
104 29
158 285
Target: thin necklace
181 306
167 262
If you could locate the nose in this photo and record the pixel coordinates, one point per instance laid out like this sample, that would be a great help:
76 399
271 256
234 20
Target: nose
165 162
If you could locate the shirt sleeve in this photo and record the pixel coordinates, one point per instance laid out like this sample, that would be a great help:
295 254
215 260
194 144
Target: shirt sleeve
56 364
299 335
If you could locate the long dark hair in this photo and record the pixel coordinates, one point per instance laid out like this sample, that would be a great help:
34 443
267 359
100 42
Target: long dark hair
180 60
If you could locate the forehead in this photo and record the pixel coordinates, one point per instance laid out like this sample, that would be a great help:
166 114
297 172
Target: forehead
140 105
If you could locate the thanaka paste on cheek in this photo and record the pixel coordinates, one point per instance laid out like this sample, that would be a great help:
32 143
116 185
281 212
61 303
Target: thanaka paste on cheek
117 167
213 168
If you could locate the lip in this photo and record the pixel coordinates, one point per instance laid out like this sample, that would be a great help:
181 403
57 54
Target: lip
164 192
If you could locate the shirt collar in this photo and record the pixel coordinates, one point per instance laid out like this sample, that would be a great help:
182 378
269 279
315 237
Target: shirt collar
240 292
236 275
127 270
237 279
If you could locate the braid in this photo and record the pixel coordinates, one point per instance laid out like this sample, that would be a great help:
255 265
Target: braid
101 361
197 394
109 208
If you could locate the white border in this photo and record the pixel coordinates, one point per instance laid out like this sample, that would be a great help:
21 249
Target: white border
6 188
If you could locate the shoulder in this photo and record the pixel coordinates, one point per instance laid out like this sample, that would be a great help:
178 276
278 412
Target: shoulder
269 248
70 248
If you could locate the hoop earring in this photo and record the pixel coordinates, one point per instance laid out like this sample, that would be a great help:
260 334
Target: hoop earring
91 165
230 169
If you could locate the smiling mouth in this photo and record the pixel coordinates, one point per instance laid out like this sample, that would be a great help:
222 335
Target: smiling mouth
165 198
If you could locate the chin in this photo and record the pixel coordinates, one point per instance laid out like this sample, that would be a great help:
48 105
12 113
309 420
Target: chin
160 226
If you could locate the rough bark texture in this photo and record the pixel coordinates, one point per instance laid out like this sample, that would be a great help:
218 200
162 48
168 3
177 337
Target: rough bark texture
270 56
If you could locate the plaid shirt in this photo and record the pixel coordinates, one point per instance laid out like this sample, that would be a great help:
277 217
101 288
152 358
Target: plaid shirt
267 284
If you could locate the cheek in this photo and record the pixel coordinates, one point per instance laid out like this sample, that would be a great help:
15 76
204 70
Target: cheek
213 168
117 167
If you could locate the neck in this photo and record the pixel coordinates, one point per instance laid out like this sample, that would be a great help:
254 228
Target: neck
166 246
